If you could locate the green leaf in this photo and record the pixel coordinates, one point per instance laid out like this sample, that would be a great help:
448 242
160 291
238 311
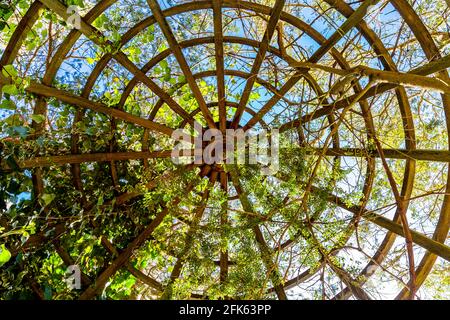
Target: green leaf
254 96
10 89
14 187
31 46
9 71
5 255
14 120
100 200
11 162
7 104
47 293
164 64
48 198
5 11
21 131
38 118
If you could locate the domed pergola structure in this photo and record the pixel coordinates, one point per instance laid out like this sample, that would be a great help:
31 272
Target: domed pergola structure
93 91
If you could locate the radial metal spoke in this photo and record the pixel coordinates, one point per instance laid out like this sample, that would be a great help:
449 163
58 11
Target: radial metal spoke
126 254
433 66
122 259
351 22
188 242
94 35
176 50
220 64
64 96
46 161
199 41
383 76
20 33
260 56
428 69
223 222
266 252
419 239
415 154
